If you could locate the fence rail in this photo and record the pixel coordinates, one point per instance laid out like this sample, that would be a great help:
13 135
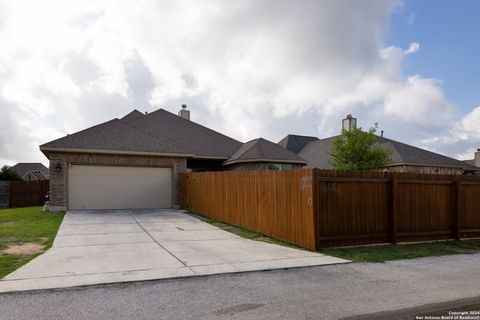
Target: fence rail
316 208
23 193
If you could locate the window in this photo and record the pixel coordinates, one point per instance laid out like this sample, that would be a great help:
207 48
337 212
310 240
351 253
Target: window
279 166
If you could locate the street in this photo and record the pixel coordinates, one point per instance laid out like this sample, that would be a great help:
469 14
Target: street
386 290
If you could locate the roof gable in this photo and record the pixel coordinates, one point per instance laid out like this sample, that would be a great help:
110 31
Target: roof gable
263 150
23 168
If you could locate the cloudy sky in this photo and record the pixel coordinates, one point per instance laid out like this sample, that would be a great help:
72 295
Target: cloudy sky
246 68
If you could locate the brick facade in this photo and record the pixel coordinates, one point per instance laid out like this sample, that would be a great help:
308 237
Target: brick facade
257 166
59 180
426 169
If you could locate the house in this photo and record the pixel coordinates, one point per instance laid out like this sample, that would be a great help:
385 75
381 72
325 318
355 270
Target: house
403 158
31 171
135 161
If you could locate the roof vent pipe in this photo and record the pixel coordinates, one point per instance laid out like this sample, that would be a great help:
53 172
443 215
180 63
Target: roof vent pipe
184 113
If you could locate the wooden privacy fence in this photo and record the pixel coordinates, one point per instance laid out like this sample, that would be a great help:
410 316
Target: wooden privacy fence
315 208
4 194
25 193
274 203
379 207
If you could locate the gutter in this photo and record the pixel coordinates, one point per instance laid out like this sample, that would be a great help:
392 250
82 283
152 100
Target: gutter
226 163
107 151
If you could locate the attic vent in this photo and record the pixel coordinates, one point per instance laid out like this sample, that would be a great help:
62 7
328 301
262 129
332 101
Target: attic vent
184 113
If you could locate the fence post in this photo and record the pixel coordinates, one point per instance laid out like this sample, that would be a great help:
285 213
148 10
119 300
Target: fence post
392 212
316 233
456 208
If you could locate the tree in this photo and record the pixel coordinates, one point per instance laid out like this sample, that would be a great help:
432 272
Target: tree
8 174
358 150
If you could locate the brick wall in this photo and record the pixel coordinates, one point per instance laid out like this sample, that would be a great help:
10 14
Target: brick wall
256 166
58 180
426 169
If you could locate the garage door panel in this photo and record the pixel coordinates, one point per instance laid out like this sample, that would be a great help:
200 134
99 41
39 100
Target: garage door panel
103 182
108 187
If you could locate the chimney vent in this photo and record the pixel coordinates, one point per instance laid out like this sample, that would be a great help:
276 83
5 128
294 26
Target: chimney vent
349 123
184 113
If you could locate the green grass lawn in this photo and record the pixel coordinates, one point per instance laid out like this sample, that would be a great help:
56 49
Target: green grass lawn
404 251
21 226
247 234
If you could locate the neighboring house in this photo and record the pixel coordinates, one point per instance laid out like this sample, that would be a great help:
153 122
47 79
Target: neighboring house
31 171
261 154
404 157
134 162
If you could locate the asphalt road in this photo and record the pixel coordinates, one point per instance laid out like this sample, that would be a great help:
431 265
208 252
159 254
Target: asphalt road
394 290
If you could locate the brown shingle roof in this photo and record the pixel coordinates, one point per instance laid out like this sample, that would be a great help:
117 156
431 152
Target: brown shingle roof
134 115
156 132
260 150
188 135
116 135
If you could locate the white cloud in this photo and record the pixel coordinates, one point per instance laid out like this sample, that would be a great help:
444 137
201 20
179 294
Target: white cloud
419 100
414 47
248 69
469 126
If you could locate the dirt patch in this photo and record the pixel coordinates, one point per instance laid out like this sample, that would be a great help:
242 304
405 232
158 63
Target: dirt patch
23 249
6 223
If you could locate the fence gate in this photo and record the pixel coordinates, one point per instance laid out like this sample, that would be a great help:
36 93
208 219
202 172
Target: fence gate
4 194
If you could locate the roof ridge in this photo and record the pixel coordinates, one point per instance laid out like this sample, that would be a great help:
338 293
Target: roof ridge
187 121
425 150
262 153
393 147
250 147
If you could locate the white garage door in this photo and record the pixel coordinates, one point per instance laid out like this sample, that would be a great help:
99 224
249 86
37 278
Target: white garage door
104 187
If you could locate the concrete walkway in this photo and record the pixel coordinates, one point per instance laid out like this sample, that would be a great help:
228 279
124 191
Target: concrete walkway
94 247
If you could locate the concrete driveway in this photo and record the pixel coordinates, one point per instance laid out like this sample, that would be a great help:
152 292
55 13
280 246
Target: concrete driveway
94 247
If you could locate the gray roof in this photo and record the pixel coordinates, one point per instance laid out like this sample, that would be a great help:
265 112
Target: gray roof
156 132
116 135
188 135
23 167
38 175
295 143
317 153
134 115
260 150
